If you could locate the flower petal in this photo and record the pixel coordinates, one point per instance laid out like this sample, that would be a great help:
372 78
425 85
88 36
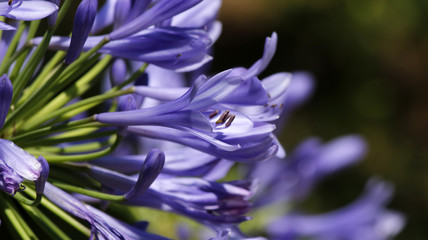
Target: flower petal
32 10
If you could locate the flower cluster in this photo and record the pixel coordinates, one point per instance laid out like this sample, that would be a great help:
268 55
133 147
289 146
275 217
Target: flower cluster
118 115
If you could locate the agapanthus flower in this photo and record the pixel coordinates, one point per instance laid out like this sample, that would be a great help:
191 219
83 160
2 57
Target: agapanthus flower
176 47
123 115
25 10
292 178
15 163
366 218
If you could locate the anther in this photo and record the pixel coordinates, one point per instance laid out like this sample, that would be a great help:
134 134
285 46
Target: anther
281 106
273 105
10 2
232 117
213 114
223 117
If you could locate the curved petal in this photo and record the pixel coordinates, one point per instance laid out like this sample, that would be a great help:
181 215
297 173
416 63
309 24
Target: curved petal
32 10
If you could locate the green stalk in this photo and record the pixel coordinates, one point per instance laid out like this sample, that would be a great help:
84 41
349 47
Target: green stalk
59 139
15 221
31 66
62 12
79 88
53 129
45 223
77 148
41 79
61 213
87 192
25 109
83 157
12 47
83 105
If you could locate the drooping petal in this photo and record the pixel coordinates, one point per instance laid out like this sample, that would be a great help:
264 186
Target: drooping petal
261 64
149 172
41 181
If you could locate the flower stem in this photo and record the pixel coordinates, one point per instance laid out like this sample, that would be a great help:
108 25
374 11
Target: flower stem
87 192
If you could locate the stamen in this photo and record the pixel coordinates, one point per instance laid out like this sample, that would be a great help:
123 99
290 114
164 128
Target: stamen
222 117
10 2
274 105
213 114
232 117
281 106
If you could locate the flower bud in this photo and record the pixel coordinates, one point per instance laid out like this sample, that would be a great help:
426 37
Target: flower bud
83 21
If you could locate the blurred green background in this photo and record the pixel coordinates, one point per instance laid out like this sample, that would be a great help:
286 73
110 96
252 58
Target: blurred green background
370 60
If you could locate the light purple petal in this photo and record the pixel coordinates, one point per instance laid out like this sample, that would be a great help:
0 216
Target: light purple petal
32 10
19 160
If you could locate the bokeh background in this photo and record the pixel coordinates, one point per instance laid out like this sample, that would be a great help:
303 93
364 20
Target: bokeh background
370 61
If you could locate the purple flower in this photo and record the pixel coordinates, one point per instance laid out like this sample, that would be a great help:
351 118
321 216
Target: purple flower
15 166
173 48
25 10
293 177
159 12
102 225
15 163
366 218
179 161
199 199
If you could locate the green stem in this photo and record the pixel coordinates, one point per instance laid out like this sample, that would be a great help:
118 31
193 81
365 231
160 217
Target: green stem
83 157
12 47
87 192
53 129
45 223
78 89
77 148
15 220
59 139
84 105
60 213
45 74
31 66
62 12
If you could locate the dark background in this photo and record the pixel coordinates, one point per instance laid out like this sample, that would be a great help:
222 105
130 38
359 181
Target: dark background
370 61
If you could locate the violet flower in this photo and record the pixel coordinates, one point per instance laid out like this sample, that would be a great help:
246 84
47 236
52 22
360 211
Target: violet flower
292 178
102 225
25 10
15 163
366 218
211 202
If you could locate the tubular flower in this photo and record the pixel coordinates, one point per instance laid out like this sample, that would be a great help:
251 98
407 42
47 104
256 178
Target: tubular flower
105 122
